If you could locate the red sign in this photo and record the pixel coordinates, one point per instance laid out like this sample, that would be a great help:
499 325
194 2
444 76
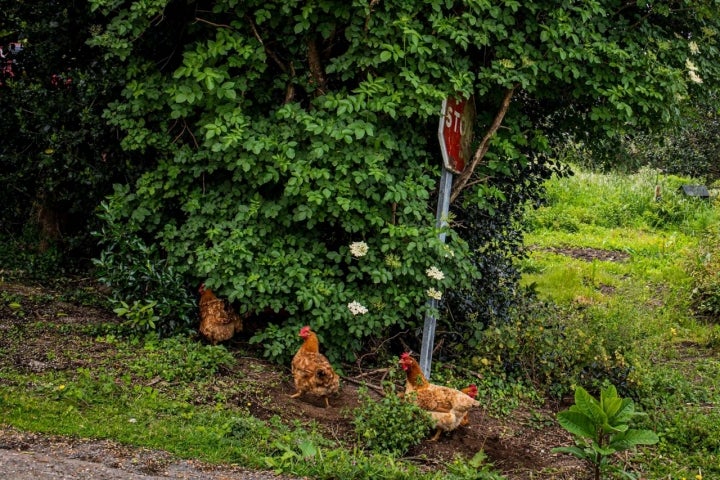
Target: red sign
455 133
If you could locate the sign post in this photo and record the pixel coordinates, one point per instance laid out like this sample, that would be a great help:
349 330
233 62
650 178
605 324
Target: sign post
455 136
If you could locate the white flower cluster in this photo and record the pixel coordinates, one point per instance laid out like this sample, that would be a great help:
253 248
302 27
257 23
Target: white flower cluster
434 294
358 249
694 49
435 273
356 308
692 71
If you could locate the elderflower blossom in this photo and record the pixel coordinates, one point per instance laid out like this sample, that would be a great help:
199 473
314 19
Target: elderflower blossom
694 49
690 65
356 308
695 77
435 273
358 249
434 294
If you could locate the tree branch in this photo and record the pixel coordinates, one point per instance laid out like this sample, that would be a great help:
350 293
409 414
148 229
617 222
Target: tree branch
212 24
269 52
482 149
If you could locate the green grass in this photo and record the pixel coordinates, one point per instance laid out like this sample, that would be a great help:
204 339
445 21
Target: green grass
639 306
90 405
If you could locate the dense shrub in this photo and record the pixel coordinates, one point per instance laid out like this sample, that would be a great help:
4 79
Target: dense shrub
550 348
494 231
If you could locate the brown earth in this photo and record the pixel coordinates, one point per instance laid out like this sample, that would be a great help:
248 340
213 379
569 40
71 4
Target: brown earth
518 444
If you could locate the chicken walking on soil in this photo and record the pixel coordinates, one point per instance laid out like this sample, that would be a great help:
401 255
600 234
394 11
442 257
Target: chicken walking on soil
447 406
311 371
218 321
471 391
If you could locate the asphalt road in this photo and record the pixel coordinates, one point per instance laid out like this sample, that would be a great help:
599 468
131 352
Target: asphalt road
33 456
28 465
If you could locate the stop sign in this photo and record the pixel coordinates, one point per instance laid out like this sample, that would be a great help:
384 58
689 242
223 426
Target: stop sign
455 132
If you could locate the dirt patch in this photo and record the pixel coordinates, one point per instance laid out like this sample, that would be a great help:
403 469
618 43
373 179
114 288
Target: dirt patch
591 254
519 445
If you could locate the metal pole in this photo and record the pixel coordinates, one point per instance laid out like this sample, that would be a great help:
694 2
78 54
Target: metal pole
428 338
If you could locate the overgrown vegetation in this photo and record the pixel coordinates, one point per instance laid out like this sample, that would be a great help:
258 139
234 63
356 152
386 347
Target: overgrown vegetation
270 133
59 158
614 307
285 155
625 271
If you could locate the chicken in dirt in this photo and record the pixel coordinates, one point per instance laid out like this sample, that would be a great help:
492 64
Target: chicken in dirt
311 370
471 391
447 406
218 321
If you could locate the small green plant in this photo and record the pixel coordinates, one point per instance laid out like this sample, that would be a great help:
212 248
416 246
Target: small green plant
476 468
391 424
140 317
602 428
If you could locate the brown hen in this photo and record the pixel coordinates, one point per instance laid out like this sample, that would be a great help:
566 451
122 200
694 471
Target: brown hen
218 321
471 391
311 371
447 406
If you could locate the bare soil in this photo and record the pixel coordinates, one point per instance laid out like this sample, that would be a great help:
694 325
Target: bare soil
519 444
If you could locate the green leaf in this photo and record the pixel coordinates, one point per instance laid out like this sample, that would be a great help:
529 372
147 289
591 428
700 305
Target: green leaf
610 401
577 423
589 406
632 438
575 451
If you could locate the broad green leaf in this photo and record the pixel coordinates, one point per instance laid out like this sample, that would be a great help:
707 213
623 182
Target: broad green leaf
610 401
589 406
577 423
576 451
634 437
625 413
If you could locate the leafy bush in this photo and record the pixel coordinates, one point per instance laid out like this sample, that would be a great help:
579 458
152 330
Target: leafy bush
391 424
705 272
139 278
550 348
688 149
496 242
140 316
